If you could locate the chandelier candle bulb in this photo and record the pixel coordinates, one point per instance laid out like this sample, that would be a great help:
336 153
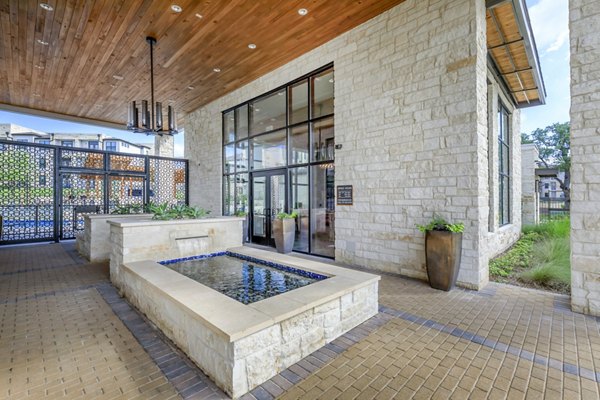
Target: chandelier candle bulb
152 117
159 117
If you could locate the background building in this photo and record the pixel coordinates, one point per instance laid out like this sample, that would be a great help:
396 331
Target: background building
81 140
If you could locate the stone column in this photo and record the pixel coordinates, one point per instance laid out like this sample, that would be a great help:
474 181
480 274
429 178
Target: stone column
164 146
584 16
529 196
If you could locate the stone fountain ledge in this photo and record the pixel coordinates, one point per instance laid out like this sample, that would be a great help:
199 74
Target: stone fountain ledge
241 346
148 239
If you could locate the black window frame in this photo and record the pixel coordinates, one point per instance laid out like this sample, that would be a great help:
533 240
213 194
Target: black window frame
309 122
504 171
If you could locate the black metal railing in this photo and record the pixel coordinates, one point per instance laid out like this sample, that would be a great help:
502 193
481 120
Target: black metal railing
552 208
45 190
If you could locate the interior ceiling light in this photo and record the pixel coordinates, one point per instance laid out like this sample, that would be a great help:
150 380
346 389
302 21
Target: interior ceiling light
217 69
40 41
176 8
46 6
252 46
38 66
118 77
199 15
190 87
303 11
151 120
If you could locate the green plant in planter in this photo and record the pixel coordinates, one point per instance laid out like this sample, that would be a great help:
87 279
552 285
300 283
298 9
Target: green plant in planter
443 248
283 215
440 224
160 211
196 212
240 213
128 209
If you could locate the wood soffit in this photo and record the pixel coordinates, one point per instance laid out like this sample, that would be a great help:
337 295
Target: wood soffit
88 59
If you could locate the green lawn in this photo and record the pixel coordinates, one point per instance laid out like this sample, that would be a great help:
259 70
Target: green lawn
540 258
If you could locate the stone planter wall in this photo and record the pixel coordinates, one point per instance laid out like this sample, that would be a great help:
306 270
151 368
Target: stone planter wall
241 346
165 240
93 243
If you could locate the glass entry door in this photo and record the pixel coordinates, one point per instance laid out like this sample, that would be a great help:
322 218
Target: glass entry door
268 199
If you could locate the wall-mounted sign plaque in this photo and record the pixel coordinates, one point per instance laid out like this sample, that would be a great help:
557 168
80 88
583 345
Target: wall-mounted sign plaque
344 195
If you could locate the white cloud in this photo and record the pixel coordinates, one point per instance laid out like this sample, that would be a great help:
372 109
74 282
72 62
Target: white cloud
550 23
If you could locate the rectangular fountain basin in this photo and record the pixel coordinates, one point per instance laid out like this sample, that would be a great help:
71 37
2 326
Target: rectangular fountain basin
238 345
242 278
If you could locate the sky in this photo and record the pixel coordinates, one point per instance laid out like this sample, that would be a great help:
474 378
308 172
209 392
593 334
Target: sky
549 20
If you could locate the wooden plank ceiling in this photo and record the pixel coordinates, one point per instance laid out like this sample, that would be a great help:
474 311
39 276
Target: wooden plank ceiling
506 45
89 58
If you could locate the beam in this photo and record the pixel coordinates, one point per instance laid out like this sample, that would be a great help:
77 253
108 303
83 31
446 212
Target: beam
62 117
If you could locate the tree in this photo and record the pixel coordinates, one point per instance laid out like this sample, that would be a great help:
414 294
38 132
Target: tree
554 145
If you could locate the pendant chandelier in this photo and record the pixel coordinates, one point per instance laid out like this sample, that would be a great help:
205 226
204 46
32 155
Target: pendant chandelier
151 119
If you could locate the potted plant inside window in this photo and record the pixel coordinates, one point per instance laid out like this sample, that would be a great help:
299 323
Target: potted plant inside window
243 214
443 248
283 231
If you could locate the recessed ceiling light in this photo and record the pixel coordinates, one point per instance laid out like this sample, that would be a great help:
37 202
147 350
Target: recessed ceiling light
38 66
252 46
190 87
199 15
40 41
118 77
176 8
46 6
113 85
217 69
303 11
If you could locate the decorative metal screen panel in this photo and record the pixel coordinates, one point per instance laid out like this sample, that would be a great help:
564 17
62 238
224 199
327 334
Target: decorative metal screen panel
34 205
125 191
168 181
81 194
26 192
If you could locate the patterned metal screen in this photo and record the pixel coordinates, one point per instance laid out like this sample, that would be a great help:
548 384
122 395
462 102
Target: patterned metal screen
45 190
26 192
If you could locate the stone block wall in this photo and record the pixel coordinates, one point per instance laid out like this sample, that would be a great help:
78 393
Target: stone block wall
411 115
584 19
530 196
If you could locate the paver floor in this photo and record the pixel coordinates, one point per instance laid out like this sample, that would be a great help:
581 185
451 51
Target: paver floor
64 333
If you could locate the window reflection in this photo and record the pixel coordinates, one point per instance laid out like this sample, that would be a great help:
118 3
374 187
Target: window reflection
268 113
299 144
322 94
228 127
298 102
269 150
299 204
323 210
323 139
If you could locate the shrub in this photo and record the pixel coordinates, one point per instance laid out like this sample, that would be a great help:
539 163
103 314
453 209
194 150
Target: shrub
518 256
558 228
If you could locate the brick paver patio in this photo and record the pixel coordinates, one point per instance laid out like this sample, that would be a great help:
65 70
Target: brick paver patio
65 333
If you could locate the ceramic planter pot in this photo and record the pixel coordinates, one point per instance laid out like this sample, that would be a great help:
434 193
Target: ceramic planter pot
443 252
283 232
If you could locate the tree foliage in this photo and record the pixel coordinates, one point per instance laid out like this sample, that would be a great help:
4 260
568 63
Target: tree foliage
554 145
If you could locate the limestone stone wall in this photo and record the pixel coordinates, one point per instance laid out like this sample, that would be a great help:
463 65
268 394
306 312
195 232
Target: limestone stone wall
530 196
94 243
411 115
239 365
167 240
164 146
584 20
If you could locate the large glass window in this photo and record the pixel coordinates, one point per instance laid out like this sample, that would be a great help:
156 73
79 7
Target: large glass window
299 203
504 164
323 210
322 94
269 151
268 113
298 102
290 128
298 142
323 140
